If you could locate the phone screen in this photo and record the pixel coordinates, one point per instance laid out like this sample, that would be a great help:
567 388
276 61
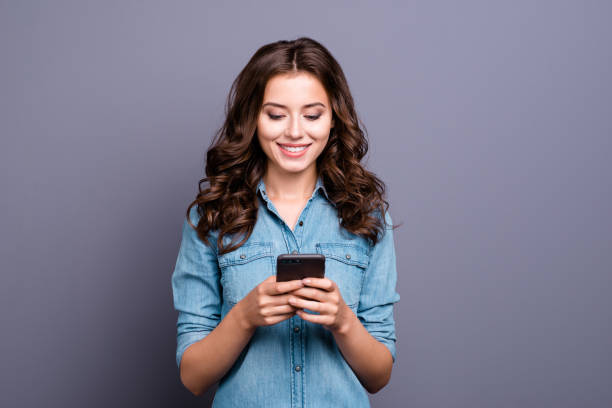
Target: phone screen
299 266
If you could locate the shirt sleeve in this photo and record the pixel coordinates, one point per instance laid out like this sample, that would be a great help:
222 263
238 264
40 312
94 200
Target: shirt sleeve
375 310
195 288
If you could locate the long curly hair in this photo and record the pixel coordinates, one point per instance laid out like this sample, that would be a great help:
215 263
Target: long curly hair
235 161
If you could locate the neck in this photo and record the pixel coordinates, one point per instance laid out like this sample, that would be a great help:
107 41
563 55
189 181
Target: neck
290 186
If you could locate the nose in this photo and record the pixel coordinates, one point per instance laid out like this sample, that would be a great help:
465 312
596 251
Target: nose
295 127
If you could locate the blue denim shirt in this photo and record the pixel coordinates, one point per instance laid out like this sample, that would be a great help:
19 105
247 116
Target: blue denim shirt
293 363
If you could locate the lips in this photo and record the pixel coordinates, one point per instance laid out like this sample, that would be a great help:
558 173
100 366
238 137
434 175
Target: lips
292 149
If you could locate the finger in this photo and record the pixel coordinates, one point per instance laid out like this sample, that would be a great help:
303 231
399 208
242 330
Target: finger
310 293
319 319
276 300
321 283
278 310
278 318
277 288
309 304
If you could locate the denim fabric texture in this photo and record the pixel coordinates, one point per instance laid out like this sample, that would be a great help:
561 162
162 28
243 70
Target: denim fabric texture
293 363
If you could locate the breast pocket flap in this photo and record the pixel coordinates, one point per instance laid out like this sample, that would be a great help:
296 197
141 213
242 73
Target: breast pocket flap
347 253
246 253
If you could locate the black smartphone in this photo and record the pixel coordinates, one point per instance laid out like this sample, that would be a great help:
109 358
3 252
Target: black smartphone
299 266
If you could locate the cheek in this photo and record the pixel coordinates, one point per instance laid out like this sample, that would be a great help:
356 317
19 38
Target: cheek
320 134
266 143
268 133
319 146
265 133
320 130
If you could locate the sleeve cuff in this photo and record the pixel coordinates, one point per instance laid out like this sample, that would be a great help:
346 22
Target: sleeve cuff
390 345
185 340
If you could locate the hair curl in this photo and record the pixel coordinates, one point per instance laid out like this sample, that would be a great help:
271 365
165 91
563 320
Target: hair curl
235 161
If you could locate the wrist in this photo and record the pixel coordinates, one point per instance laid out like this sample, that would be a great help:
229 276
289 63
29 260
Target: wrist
346 322
240 317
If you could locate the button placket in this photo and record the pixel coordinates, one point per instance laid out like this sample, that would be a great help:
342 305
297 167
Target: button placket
297 361
300 226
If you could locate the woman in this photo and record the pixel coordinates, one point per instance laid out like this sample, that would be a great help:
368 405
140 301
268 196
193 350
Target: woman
285 176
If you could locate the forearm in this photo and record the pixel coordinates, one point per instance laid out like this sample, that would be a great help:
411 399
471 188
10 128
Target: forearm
205 362
370 359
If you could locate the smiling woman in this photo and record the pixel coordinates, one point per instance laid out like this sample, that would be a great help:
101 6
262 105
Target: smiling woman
284 175
296 125
282 83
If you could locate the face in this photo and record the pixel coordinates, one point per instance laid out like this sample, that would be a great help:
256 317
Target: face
294 122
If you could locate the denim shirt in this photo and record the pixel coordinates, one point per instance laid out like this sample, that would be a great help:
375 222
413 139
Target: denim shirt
293 363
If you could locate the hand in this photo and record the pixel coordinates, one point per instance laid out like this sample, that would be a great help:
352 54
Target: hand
267 303
323 296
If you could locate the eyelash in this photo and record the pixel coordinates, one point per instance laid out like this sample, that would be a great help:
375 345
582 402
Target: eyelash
309 117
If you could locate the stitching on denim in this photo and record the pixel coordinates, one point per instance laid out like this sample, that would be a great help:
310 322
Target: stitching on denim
233 258
291 364
303 346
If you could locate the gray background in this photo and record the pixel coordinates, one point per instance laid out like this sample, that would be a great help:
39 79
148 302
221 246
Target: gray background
489 122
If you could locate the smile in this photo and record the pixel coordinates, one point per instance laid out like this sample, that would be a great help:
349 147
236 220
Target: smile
293 151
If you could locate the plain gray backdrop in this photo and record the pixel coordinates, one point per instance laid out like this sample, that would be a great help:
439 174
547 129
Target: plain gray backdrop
489 121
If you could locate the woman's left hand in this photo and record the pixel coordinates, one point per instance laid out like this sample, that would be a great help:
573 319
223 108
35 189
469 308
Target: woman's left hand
322 295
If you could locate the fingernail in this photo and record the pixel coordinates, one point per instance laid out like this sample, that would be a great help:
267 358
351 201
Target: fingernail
306 281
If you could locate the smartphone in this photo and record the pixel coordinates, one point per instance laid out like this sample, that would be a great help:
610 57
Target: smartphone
299 266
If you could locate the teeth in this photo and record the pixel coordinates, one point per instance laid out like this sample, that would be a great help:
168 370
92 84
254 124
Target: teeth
294 149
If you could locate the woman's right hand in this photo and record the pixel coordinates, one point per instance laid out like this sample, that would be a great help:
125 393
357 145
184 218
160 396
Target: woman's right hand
267 303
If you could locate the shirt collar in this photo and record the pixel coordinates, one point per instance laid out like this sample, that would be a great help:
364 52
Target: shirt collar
261 188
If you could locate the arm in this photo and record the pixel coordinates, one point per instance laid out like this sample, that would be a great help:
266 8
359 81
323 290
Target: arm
206 361
197 298
207 346
366 339
375 310
370 359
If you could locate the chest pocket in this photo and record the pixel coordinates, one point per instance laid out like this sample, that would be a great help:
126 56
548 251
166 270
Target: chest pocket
245 268
345 264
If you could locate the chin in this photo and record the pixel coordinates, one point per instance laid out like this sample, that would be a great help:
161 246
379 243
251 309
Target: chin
293 167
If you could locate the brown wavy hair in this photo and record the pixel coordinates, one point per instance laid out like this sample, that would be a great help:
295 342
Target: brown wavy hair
235 161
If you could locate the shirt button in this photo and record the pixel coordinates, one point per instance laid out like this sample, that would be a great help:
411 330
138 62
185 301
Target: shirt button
301 223
348 256
242 256
296 329
298 368
294 252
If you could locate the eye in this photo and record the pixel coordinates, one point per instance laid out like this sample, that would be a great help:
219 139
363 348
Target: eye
275 117
313 117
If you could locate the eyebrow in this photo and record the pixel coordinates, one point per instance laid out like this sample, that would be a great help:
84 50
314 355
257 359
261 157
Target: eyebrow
310 105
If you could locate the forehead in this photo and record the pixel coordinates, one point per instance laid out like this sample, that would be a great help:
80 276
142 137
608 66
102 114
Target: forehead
295 89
